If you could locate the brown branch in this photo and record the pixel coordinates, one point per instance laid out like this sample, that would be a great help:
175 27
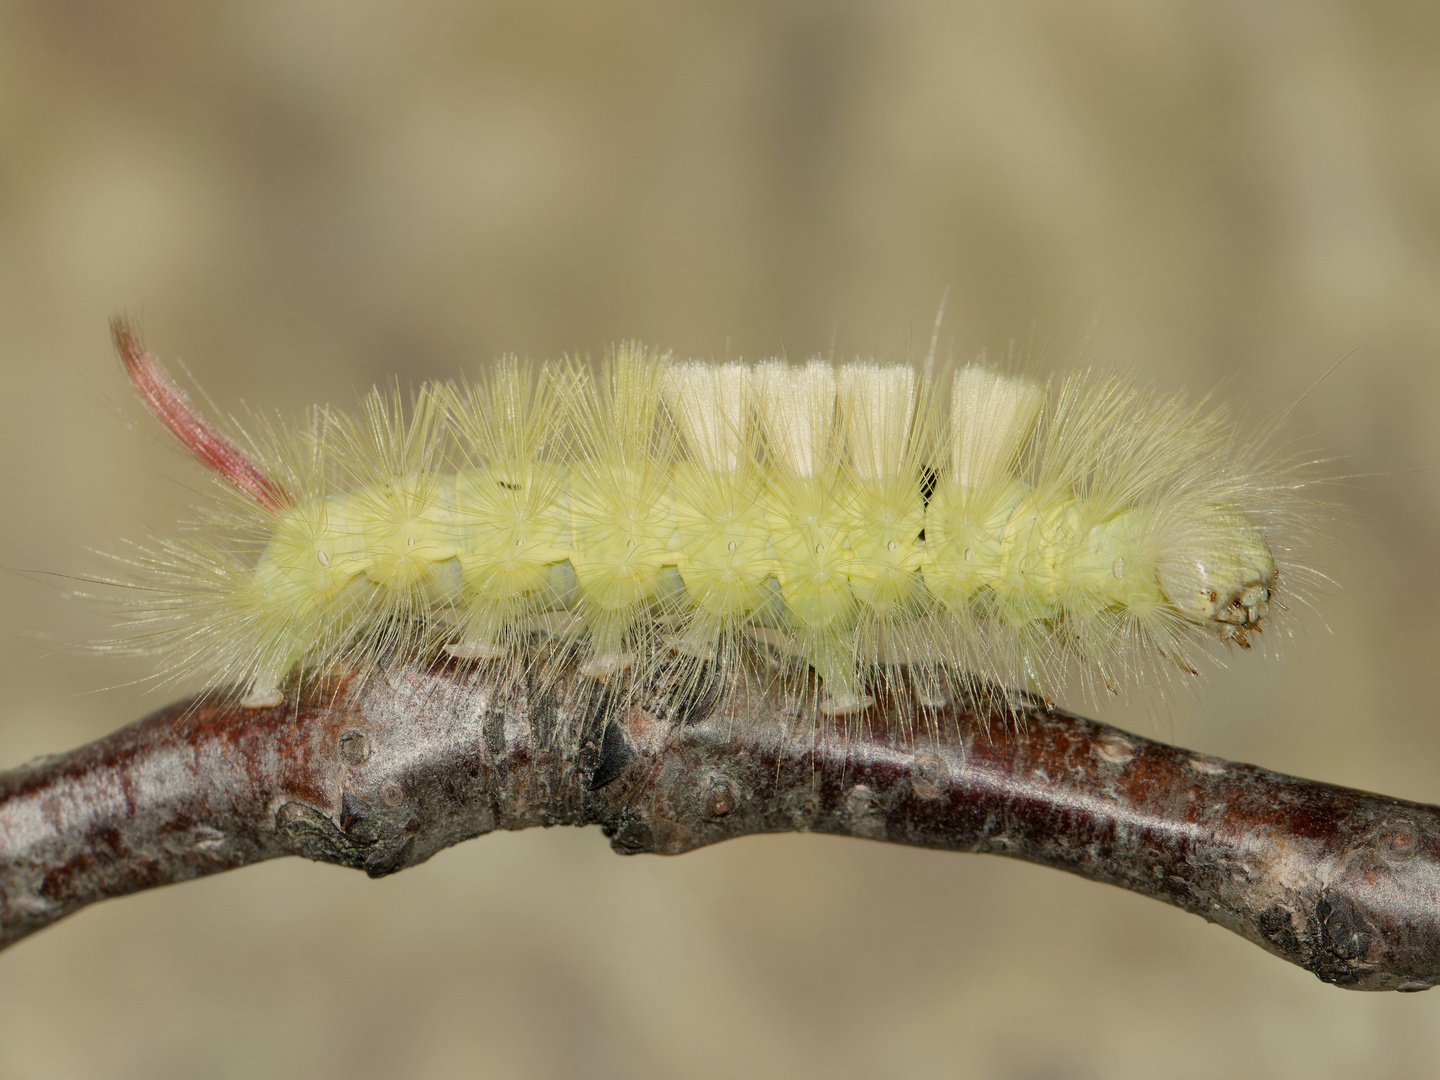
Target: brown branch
382 773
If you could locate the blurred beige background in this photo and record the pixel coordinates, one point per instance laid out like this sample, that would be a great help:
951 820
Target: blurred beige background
300 198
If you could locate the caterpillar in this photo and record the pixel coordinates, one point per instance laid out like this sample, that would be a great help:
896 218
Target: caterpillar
866 522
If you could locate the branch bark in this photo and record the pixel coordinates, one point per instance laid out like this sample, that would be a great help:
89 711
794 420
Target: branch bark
381 773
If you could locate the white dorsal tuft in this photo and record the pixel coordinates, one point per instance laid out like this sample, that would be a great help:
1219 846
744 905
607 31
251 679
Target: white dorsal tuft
709 403
879 405
797 405
991 417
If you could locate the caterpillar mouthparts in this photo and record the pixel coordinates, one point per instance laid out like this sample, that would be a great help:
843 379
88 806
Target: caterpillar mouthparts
838 516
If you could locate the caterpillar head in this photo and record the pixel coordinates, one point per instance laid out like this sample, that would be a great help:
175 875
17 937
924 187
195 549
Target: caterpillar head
1218 572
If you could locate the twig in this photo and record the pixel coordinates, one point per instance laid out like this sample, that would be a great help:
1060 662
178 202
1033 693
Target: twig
381 773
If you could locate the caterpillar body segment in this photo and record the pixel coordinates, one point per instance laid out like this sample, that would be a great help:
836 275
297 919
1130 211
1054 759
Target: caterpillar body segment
722 555
510 508
837 515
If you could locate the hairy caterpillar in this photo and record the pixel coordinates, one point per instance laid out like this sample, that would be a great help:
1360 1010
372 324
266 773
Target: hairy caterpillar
856 518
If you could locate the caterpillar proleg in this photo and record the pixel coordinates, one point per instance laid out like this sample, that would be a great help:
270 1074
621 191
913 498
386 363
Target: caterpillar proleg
859 521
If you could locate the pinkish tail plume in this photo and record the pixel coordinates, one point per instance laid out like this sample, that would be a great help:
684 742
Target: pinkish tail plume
173 408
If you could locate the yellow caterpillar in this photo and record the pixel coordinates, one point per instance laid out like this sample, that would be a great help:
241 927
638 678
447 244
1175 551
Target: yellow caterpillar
854 517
